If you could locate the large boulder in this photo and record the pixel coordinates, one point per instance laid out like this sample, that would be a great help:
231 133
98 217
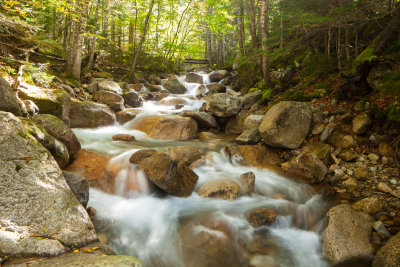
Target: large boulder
308 167
174 86
8 102
113 100
111 86
286 125
186 154
218 75
55 147
79 186
173 101
235 124
347 235
223 105
126 115
261 217
223 189
216 88
167 127
283 75
252 121
40 216
154 79
192 77
133 99
54 102
249 137
203 119
59 130
389 254
172 176
361 123
90 115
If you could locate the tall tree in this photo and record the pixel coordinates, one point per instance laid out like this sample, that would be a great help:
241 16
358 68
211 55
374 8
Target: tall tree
264 34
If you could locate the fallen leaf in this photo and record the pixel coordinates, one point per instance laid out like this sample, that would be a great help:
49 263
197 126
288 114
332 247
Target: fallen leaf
95 248
76 250
87 250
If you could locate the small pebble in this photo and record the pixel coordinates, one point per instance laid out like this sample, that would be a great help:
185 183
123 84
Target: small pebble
373 157
362 159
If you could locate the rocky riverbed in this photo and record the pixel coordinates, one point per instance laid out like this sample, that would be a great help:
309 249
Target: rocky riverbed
186 171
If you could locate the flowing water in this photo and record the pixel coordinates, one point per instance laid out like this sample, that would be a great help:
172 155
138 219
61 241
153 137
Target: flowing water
197 231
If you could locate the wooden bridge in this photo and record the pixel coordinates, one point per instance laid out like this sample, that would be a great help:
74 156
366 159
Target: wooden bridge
195 61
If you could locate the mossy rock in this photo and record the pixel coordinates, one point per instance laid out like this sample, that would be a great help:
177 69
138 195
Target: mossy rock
366 55
55 102
394 111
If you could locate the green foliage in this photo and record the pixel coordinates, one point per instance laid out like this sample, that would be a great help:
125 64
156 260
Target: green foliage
390 83
315 65
394 111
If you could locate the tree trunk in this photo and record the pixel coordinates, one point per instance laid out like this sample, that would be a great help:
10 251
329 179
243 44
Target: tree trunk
264 33
93 40
338 48
347 42
253 28
74 62
241 27
329 40
105 18
389 33
142 39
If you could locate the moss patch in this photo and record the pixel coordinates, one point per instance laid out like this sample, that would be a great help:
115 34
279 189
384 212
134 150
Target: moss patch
366 55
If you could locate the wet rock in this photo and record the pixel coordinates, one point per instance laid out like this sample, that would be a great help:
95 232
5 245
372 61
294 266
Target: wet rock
342 141
28 206
347 235
223 189
360 173
261 217
388 255
133 99
79 186
110 86
140 155
350 184
124 138
203 119
383 187
308 167
259 156
362 123
8 102
194 78
249 137
208 136
186 154
286 125
322 151
248 180
216 88
201 91
153 88
174 86
173 101
223 105
154 79
89 164
218 75
252 121
60 130
386 150
113 100
31 107
90 115
349 155
54 102
250 99
369 205
235 124
136 87
126 115
328 130
172 176
167 127
55 147
380 228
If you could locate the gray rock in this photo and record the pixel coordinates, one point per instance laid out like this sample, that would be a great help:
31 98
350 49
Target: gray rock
328 130
90 115
249 137
156 80
308 167
194 78
93 87
79 186
174 86
216 88
8 102
380 228
250 99
362 123
111 86
375 76
223 105
59 130
55 147
347 235
252 121
286 125
35 198
113 100
203 119
133 99
283 75
218 75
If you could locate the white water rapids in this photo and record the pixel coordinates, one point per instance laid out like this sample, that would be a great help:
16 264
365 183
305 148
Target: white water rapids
197 231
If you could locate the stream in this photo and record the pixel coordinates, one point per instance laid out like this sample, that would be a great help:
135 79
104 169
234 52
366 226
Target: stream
197 231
